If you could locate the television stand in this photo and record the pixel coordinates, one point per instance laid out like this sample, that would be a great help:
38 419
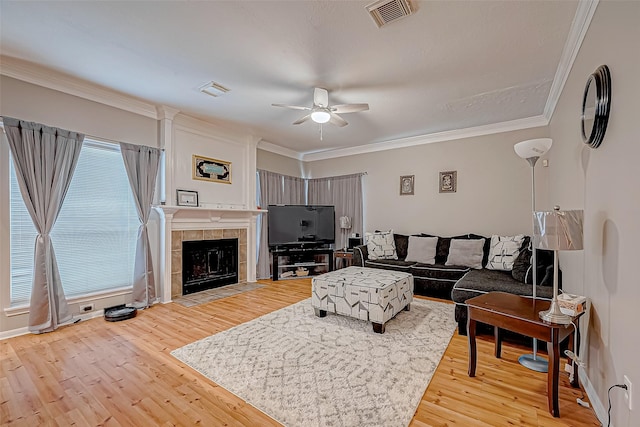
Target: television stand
299 257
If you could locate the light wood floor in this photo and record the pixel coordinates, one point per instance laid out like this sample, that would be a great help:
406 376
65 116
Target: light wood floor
121 374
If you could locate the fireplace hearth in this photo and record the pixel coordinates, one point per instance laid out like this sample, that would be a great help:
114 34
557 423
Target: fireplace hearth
208 264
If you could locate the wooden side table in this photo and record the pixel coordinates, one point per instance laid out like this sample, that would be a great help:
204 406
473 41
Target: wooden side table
346 256
520 314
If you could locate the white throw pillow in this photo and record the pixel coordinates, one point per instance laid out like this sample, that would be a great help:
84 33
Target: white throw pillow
381 245
503 251
422 249
466 253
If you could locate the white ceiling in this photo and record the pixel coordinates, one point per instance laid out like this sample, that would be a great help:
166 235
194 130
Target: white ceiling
450 65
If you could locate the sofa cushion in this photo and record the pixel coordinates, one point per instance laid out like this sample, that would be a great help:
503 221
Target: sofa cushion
402 243
478 282
389 264
442 250
422 249
381 245
439 272
503 251
522 270
465 252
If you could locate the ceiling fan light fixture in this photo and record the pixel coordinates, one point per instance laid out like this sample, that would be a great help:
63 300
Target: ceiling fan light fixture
320 116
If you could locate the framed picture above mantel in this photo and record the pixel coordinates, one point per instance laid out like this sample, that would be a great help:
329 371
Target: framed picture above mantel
213 170
187 198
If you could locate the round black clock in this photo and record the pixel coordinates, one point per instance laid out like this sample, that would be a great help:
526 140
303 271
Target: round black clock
596 103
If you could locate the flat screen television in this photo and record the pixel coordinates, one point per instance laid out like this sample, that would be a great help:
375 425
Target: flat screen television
297 225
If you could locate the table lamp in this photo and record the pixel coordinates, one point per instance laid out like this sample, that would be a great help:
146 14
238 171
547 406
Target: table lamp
345 226
557 231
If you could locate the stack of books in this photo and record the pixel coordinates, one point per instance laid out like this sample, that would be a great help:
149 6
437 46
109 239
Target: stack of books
572 305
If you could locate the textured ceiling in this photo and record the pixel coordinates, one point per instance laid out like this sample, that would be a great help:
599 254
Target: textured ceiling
450 65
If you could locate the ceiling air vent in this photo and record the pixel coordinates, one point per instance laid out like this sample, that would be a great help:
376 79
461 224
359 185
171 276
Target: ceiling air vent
384 12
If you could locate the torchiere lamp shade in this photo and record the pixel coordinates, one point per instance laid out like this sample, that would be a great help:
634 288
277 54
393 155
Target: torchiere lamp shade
558 230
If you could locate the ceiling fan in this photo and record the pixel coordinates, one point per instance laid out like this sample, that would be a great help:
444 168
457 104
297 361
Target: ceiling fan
321 112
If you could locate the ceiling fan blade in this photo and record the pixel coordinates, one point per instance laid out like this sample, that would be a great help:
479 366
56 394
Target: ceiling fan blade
292 107
349 108
302 119
337 120
320 97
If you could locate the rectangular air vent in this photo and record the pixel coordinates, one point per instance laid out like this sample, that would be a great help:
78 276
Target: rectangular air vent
384 12
213 89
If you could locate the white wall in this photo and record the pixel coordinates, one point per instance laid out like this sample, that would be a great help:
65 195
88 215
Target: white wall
494 185
278 163
35 103
195 137
605 182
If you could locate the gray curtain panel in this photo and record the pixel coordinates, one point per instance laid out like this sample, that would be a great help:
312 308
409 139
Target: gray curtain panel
343 192
142 163
274 189
45 159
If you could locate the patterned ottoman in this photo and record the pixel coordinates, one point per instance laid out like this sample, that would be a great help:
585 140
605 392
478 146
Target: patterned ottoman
364 293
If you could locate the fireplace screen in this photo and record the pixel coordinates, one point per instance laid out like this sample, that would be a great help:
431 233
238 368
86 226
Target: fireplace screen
208 264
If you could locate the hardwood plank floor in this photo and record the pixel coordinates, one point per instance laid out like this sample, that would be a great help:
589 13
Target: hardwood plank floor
97 373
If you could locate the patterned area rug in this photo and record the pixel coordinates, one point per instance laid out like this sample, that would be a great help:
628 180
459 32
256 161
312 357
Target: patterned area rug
217 293
303 370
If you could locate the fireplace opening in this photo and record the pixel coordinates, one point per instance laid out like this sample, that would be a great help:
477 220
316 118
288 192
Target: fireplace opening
208 264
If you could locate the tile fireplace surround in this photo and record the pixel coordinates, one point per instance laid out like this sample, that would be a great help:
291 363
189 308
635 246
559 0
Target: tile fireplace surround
179 236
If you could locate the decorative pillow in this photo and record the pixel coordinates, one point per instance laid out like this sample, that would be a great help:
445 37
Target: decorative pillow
442 251
381 245
522 270
402 242
422 249
466 253
503 251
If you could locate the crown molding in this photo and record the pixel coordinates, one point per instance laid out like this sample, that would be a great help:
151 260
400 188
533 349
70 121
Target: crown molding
577 32
31 73
166 113
276 149
512 125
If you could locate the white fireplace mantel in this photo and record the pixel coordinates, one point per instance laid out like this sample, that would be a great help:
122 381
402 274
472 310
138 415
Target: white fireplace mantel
193 218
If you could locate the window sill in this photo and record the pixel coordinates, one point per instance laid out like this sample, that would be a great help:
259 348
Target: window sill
19 310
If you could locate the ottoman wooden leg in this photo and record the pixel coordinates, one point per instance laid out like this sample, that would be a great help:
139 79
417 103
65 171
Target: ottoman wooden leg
320 313
378 328
408 307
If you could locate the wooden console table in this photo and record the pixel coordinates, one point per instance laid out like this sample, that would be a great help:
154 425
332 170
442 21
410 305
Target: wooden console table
520 314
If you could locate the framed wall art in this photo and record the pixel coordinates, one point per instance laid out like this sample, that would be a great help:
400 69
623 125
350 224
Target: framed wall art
214 170
448 181
187 198
406 185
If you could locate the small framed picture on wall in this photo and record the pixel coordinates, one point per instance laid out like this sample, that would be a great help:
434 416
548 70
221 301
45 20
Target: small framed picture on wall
406 185
187 198
448 181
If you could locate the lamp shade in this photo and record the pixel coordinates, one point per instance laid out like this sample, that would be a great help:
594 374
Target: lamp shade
345 222
533 147
558 230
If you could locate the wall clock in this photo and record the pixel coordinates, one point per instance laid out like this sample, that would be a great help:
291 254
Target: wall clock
596 103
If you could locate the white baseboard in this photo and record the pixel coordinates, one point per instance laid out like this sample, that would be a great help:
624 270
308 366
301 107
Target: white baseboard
594 399
13 333
25 330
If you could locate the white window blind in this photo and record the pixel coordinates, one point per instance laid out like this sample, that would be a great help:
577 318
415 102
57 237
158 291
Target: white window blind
95 235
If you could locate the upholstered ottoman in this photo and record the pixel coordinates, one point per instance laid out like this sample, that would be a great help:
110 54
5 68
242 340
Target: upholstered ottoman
364 293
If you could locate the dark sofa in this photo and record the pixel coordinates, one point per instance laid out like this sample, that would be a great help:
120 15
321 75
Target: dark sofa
459 283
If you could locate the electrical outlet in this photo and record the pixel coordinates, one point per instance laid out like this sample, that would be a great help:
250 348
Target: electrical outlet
86 308
628 395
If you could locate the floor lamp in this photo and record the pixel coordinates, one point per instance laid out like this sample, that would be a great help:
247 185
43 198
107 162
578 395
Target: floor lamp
531 150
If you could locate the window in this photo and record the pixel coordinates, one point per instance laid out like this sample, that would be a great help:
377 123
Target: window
95 235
